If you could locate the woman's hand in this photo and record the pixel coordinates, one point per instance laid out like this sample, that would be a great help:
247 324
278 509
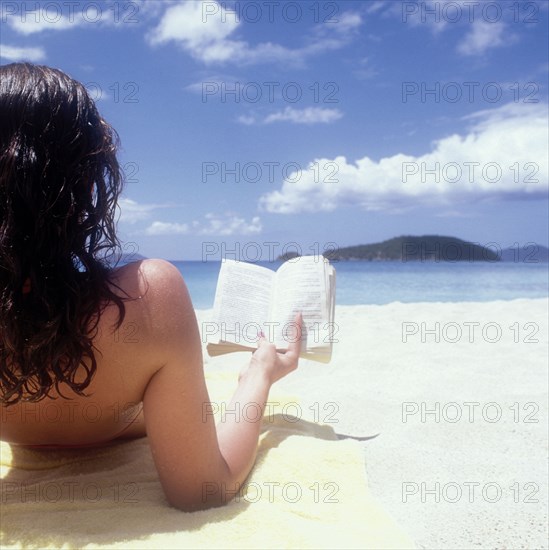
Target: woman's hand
272 364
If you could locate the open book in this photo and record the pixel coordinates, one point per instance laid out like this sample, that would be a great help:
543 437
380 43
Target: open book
250 299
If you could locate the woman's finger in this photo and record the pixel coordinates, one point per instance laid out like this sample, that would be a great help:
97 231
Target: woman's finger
294 344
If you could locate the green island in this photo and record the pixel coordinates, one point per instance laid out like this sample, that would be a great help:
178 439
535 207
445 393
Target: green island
434 248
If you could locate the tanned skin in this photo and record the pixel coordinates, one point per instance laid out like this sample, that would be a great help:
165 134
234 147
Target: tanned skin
150 381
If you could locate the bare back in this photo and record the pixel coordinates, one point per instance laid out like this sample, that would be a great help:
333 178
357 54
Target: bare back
127 358
154 361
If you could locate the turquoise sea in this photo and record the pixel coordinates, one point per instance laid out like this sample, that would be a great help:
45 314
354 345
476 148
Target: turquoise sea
386 282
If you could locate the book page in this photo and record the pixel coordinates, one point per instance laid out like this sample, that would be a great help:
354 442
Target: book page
241 304
300 285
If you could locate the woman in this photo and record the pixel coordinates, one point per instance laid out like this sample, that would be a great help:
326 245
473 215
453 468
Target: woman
69 376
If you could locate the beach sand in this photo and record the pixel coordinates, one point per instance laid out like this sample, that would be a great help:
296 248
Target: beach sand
461 456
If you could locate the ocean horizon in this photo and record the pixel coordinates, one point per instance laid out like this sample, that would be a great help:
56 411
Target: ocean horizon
363 283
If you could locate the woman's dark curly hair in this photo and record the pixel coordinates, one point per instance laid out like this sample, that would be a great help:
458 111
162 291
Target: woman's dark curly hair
59 185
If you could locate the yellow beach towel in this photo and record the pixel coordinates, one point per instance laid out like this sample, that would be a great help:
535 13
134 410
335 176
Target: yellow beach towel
307 490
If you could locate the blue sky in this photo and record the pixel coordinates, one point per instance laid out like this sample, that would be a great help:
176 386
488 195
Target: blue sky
253 125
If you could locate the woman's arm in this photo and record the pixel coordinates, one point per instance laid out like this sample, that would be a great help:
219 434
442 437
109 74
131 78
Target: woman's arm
199 466
238 431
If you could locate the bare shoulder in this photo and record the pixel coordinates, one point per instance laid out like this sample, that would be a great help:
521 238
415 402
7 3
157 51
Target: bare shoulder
146 278
159 319
154 285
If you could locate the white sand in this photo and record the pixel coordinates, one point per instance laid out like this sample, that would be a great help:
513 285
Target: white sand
492 474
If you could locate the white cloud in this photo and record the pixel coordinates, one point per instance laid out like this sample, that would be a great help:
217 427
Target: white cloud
34 22
346 21
483 36
213 85
62 16
195 23
132 212
503 154
309 115
14 53
163 228
205 30
375 6
229 224
197 30
437 16
51 17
